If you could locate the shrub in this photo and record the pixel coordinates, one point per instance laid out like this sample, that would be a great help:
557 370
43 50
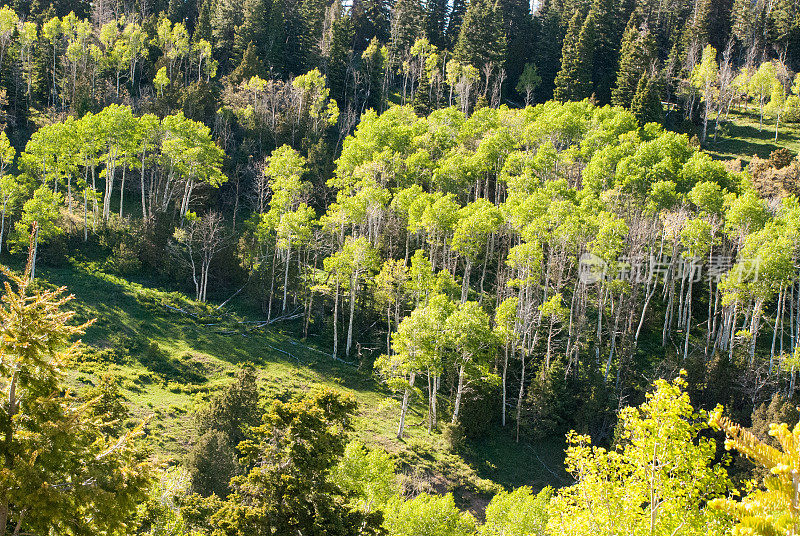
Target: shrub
124 260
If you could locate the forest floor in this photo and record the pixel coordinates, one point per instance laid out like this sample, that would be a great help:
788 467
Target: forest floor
171 353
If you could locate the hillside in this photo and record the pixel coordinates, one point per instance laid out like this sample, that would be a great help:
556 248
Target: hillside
170 354
743 137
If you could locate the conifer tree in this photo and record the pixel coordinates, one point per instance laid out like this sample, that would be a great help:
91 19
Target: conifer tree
607 34
408 25
548 49
371 21
203 28
436 12
646 105
773 508
254 27
638 47
454 21
249 67
227 16
481 39
574 80
520 33
61 473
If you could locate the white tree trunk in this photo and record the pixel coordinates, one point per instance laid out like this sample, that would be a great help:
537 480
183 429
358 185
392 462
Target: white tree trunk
404 407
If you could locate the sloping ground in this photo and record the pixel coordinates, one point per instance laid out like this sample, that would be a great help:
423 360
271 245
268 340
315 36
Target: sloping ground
170 353
743 137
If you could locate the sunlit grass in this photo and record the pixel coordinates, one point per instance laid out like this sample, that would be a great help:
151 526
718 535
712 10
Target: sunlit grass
168 363
742 137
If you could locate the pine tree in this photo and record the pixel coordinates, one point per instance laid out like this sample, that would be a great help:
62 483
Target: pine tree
646 104
638 47
295 42
253 29
61 473
311 26
408 25
481 39
422 101
607 33
457 11
227 17
341 39
784 27
574 80
373 62
772 508
521 37
203 28
370 20
436 13
249 67
548 49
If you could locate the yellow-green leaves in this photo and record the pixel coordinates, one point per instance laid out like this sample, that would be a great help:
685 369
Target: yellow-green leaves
772 509
656 481
428 515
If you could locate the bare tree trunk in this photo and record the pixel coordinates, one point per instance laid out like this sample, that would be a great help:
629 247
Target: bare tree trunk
688 314
286 276
353 291
465 282
336 319
404 407
459 389
505 374
141 180
122 190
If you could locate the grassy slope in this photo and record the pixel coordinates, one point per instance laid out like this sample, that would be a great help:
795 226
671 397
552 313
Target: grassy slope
743 137
192 359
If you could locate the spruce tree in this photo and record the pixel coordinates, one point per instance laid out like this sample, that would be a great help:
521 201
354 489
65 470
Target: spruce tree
481 39
342 34
520 34
203 28
296 43
638 48
436 13
253 29
249 67
607 34
646 105
313 14
422 101
370 20
61 472
408 25
457 11
228 16
574 80
548 49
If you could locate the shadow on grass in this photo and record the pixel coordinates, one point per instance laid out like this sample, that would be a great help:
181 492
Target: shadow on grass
134 316
499 458
743 137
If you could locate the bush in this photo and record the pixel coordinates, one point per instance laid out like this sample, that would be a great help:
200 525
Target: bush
212 464
454 437
124 260
780 158
54 253
480 406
